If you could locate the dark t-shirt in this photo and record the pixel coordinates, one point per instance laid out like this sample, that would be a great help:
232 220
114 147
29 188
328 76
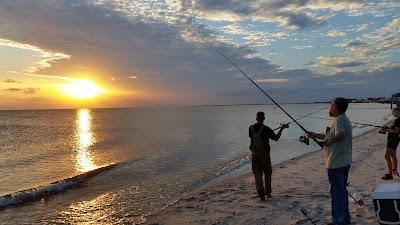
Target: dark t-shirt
267 133
394 136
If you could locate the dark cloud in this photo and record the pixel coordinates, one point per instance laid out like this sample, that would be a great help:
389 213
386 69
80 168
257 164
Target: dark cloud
31 91
356 44
300 20
236 6
13 89
350 64
267 10
11 81
28 91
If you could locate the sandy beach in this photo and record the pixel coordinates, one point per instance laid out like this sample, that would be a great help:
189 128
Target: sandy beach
297 183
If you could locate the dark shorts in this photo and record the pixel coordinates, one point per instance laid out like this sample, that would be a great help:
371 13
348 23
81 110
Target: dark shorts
392 143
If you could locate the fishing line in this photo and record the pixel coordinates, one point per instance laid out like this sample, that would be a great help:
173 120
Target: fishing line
303 116
364 124
294 120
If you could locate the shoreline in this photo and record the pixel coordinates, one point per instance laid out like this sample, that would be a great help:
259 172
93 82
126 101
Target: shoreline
235 201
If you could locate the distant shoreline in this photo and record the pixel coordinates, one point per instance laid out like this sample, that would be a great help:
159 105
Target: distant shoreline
179 106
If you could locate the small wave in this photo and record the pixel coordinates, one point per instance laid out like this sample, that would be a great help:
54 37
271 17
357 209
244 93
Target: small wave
221 171
33 194
233 165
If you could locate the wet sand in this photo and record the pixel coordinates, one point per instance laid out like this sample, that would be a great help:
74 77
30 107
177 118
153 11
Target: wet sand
297 183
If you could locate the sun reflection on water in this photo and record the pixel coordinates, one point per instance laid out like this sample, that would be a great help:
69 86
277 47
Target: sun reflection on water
84 160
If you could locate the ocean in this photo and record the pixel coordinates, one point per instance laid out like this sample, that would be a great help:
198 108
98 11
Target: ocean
117 166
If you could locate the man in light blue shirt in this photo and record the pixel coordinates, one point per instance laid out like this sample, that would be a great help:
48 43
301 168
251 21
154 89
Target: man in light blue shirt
338 157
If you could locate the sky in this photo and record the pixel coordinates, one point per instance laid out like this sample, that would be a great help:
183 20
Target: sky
163 53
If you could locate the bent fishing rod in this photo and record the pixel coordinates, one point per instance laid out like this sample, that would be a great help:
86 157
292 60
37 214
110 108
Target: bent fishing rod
301 127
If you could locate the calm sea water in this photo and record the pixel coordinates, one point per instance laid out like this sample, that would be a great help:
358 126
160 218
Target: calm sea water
161 154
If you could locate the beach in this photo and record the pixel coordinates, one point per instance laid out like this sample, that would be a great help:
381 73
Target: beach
298 183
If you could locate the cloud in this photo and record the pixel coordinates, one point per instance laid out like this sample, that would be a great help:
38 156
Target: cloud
338 5
284 13
302 47
364 53
280 35
335 33
274 80
31 91
28 91
334 64
341 83
46 57
13 89
171 53
11 81
382 40
361 27
350 64
375 9
252 38
280 13
355 44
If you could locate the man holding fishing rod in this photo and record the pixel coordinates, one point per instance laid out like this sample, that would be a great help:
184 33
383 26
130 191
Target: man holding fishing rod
261 159
338 156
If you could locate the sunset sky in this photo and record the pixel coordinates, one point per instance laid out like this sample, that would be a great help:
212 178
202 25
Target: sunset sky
161 53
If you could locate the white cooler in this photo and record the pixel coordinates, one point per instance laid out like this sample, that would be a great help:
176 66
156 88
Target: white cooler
387 203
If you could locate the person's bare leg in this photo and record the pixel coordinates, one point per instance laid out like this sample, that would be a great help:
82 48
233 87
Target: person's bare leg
388 159
393 157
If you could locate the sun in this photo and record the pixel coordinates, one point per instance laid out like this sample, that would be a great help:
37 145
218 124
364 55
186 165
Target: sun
82 89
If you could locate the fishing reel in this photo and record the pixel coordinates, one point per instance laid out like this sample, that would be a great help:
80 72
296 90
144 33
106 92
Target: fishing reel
304 139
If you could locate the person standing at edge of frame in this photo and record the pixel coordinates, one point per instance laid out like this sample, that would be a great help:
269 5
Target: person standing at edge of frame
261 159
392 143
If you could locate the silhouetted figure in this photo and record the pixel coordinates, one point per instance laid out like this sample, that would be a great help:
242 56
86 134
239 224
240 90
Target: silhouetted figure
261 160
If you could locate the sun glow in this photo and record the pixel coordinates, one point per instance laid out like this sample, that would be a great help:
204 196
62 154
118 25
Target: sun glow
82 89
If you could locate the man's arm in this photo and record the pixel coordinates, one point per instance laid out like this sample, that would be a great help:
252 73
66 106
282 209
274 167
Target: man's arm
395 130
278 135
337 138
315 135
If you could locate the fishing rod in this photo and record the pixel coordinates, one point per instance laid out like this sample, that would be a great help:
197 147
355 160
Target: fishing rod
364 124
305 213
303 138
301 127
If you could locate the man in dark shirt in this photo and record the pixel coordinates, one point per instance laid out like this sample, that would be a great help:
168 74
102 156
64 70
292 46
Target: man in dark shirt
391 145
261 160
